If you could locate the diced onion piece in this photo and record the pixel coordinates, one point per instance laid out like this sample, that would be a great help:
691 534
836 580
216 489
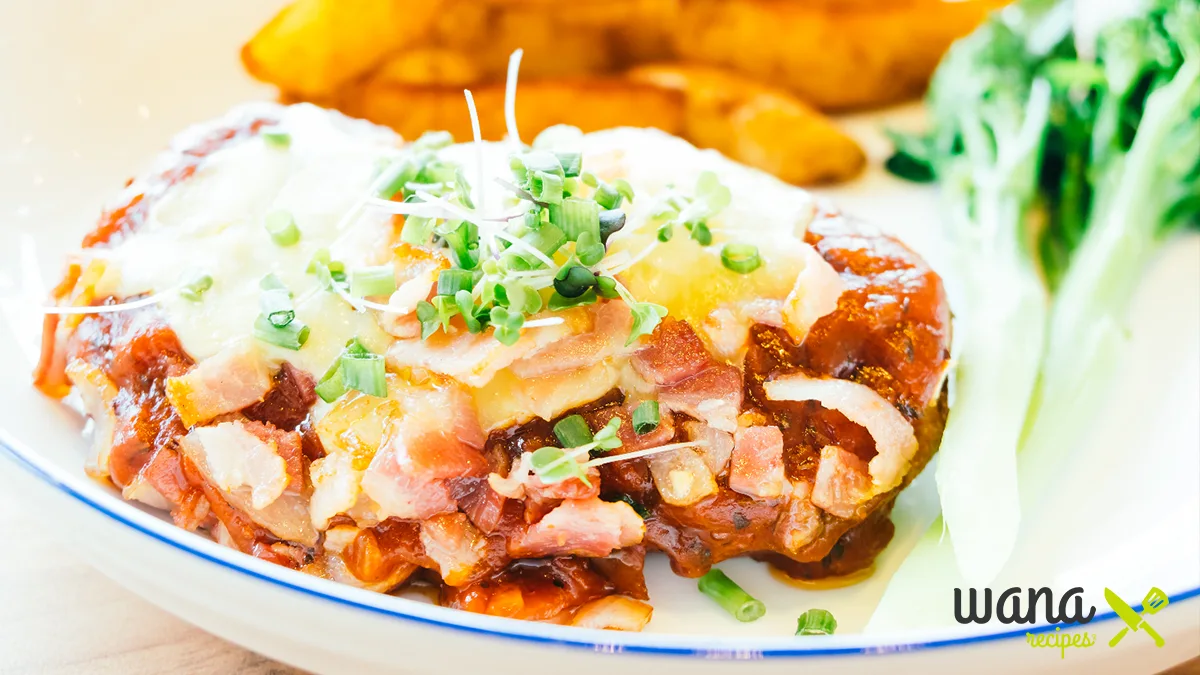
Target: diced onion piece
98 393
814 295
615 612
681 476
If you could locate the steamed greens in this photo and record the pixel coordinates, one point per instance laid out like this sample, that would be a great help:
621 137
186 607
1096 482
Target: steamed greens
1061 176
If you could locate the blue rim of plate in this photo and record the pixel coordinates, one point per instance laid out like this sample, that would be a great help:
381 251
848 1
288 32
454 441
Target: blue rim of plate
8 448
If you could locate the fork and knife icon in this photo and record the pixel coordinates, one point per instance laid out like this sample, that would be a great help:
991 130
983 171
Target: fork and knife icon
1155 600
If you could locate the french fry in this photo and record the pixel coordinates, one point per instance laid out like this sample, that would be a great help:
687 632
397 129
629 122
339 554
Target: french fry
758 125
851 55
313 47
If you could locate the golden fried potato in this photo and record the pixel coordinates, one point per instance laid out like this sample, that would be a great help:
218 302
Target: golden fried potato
589 104
430 66
758 125
849 55
314 46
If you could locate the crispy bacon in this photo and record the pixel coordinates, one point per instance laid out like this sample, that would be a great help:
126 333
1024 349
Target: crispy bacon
673 354
756 468
587 527
454 545
843 482
610 323
714 396
235 377
287 404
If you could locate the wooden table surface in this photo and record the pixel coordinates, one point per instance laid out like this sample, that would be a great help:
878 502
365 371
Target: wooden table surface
59 616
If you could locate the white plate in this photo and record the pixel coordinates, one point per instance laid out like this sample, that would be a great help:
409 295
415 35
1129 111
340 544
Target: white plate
93 91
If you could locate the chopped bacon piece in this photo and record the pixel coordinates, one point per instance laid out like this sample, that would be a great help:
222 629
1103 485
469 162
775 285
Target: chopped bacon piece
533 590
801 523
588 527
615 612
631 441
718 445
895 442
842 483
164 472
288 446
483 505
626 570
673 354
288 402
713 396
756 468
435 440
226 382
98 394
610 325
454 545
815 294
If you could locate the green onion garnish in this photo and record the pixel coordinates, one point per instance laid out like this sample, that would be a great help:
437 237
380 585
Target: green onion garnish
645 417
577 216
571 162
572 281
573 431
665 232
292 336
195 287
731 597
282 228
607 196
546 187
740 258
452 281
364 372
276 137
624 188
417 230
276 305
368 281
816 622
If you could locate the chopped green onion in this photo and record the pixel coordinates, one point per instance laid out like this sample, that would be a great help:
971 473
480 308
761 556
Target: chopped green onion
731 597
397 175
624 188
701 233
320 258
645 417
546 188
607 196
292 336
589 179
195 287
330 388
276 137
611 221
573 431
462 238
571 162
572 281
462 189
282 228
417 230
816 622
452 281
368 281
740 258
276 305
538 160
665 232
577 216
364 372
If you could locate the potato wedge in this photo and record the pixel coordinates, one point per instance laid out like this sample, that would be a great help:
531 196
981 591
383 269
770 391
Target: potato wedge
589 104
314 46
836 57
762 126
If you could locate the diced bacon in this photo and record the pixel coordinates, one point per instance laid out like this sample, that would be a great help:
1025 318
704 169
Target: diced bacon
97 393
589 527
673 354
473 359
164 474
728 327
484 506
756 467
815 294
337 486
842 483
454 545
522 483
436 439
604 338
287 445
895 442
252 476
417 271
288 402
713 396
718 445
631 441
140 490
615 612
235 377
801 523
681 476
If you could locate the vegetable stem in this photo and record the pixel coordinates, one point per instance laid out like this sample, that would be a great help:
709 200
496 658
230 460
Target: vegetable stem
740 604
